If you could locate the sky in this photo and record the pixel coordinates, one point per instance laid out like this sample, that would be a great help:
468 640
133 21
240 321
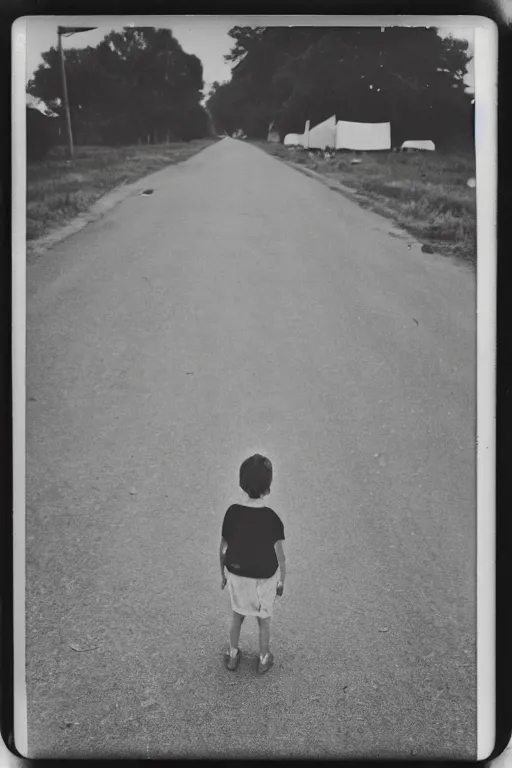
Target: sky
205 36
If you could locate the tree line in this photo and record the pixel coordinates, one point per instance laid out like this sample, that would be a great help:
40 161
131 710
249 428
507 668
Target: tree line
283 76
135 86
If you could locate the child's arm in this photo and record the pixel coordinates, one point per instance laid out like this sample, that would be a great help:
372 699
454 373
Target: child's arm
281 559
222 554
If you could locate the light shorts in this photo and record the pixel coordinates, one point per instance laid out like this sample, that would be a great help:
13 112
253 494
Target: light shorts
252 597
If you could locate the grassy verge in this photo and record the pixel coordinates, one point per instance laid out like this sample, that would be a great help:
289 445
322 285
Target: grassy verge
425 193
58 190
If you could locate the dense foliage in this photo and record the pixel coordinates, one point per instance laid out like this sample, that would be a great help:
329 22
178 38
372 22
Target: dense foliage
41 134
137 85
411 77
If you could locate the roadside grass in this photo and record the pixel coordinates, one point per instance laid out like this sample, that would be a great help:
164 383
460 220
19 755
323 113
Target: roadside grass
58 190
425 193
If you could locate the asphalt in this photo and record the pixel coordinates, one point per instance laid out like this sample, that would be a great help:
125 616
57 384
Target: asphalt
246 307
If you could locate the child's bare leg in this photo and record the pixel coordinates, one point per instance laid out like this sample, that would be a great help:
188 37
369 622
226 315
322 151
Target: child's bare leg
236 626
264 627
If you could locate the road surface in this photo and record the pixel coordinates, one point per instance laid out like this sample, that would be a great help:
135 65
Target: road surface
246 307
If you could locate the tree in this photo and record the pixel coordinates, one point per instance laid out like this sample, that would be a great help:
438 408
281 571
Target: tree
136 85
227 106
246 101
409 76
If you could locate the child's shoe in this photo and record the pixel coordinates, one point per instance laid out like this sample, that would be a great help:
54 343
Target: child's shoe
265 663
232 662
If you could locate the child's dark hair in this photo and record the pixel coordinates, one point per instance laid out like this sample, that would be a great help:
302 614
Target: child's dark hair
256 476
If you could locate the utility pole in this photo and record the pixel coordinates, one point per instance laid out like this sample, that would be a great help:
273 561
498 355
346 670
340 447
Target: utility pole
65 95
68 31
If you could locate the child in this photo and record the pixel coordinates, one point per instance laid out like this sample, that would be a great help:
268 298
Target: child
251 551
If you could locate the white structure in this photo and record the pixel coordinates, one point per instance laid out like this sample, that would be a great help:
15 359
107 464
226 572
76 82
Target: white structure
426 145
343 135
40 105
294 140
363 136
323 135
306 135
298 139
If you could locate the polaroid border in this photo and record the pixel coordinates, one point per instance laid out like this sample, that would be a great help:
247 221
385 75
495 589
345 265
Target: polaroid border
486 429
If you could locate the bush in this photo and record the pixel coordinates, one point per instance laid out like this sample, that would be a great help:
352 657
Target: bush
41 134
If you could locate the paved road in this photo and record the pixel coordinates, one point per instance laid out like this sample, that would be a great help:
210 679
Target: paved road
246 307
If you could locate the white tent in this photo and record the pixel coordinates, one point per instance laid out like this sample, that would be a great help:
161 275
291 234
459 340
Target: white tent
428 145
294 140
298 139
323 135
363 136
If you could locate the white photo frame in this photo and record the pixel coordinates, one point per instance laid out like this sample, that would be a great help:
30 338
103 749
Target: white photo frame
485 78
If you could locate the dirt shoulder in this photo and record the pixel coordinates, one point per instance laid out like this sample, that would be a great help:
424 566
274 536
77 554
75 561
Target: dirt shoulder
62 195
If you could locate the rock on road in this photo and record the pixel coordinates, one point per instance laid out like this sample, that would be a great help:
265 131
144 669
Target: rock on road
245 307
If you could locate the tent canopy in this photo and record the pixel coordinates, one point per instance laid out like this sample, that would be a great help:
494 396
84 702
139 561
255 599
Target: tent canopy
343 135
363 136
323 135
294 140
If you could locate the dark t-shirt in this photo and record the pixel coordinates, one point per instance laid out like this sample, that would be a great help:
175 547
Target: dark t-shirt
251 533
